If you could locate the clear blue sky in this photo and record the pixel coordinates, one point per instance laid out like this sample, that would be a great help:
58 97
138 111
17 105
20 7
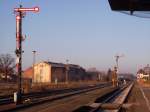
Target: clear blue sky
86 32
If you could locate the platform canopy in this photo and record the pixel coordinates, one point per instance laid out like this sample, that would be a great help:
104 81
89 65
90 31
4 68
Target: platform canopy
130 5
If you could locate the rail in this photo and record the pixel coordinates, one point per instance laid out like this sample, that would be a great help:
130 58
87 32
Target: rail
9 98
110 102
39 99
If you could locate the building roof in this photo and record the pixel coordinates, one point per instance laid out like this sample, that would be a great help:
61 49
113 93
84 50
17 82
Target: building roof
54 64
130 5
140 71
147 69
28 73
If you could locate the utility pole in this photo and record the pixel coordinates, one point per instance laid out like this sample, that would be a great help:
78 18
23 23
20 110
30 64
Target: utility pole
67 70
116 70
117 60
34 59
114 77
20 13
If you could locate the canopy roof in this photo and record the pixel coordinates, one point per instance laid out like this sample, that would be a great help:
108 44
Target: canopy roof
130 5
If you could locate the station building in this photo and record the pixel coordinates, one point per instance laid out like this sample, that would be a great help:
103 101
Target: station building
144 73
51 72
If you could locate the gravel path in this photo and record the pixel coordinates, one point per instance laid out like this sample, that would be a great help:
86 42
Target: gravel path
69 104
138 99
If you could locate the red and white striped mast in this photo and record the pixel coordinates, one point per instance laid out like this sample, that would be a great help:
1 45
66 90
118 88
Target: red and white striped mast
20 13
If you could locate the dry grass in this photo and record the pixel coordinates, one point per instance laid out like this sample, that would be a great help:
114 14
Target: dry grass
47 86
8 89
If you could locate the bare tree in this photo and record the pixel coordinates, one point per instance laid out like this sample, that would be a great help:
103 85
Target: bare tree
7 65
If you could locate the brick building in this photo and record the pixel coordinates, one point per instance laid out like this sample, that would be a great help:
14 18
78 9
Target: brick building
28 73
54 72
144 73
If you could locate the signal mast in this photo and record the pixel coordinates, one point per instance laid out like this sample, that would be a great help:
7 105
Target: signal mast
117 60
20 13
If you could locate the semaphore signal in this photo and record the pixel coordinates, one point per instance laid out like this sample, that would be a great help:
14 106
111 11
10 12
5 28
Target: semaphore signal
34 9
20 13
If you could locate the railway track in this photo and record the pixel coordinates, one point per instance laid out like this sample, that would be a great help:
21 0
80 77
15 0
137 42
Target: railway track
42 98
110 102
9 98
106 102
